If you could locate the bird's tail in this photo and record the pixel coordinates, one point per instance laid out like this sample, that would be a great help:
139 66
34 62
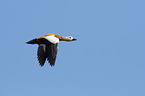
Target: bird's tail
33 41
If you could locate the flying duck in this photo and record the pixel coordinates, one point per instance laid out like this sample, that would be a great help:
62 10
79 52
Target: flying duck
47 47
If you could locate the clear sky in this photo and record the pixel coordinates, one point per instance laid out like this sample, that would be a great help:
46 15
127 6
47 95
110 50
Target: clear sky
108 58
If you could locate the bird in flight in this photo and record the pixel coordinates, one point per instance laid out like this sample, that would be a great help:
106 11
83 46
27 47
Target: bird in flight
47 47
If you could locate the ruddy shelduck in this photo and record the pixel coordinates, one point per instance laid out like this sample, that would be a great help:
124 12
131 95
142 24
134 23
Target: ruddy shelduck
48 47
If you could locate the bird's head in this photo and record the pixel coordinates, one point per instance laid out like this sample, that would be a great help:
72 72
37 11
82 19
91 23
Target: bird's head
68 38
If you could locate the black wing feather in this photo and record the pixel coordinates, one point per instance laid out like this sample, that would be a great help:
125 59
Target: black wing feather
51 52
41 54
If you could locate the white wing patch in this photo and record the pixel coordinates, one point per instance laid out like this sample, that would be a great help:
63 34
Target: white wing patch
52 39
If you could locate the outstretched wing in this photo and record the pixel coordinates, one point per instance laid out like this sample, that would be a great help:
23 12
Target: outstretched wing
51 53
41 54
51 44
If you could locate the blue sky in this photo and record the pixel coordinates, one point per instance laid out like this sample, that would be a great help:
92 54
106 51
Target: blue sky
108 58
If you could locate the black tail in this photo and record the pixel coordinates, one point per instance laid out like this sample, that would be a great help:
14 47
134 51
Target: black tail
33 41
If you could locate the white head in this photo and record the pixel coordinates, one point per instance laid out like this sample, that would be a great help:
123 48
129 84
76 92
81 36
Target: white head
68 38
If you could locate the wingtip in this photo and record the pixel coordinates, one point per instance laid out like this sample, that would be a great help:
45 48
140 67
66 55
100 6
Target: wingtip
52 64
41 64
